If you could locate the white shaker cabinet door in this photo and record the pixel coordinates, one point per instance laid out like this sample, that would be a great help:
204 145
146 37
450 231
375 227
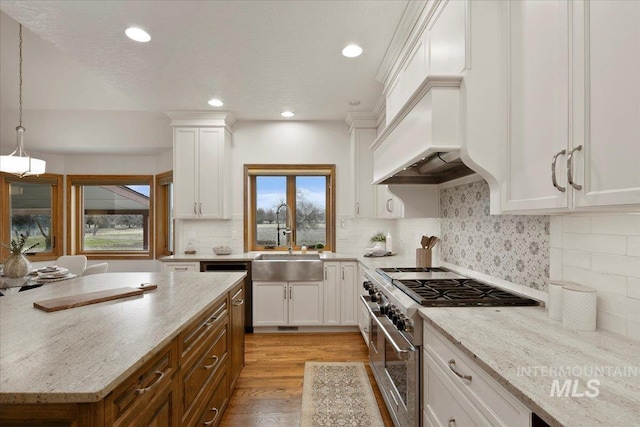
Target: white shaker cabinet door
537 66
185 151
606 112
349 295
270 303
305 303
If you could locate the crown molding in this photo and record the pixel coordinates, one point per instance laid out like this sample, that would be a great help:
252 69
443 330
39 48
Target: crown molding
201 118
360 120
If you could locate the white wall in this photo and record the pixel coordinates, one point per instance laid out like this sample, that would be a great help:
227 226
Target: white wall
602 251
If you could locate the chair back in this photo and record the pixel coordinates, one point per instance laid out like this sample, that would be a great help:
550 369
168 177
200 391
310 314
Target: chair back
96 269
75 263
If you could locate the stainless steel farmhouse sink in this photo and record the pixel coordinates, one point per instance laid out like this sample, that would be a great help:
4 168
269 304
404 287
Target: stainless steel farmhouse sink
287 267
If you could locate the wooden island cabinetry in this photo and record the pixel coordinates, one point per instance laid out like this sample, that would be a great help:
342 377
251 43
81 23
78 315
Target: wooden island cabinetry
187 382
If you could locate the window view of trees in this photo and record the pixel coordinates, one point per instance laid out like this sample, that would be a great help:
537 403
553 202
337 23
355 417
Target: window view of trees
31 214
309 210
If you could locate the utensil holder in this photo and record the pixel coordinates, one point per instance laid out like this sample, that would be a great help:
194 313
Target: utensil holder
423 257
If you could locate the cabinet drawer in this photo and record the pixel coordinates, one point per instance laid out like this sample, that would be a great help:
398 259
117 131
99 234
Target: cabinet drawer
444 404
196 376
493 400
197 332
180 266
210 413
128 399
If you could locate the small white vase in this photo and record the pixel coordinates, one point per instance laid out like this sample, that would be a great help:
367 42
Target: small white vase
16 266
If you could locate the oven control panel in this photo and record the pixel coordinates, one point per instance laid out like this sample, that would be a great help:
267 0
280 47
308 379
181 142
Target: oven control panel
393 313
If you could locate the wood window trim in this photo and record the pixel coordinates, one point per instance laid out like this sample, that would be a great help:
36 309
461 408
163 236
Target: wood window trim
162 219
57 223
74 212
253 170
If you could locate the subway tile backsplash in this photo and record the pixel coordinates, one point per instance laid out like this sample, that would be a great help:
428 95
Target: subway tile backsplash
601 251
509 247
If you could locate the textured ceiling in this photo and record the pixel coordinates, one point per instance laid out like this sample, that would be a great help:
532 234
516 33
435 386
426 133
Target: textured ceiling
259 57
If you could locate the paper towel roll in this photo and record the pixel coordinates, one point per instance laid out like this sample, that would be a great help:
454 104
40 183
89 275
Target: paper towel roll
555 297
579 307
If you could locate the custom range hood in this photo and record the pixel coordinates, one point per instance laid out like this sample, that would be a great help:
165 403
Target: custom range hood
421 144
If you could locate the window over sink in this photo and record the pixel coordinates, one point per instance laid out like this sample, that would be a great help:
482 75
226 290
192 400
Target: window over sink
299 197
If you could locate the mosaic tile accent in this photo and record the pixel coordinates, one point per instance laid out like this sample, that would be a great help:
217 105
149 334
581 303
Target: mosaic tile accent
510 247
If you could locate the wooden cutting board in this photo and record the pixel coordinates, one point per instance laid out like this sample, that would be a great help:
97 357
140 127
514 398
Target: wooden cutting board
57 304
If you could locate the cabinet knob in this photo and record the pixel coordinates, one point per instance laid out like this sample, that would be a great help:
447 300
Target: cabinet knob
553 171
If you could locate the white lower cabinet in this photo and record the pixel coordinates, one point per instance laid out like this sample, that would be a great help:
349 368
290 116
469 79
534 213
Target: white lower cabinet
340 293
180 266
458 392
287 303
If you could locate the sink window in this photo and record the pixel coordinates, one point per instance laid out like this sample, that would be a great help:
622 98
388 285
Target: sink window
298 197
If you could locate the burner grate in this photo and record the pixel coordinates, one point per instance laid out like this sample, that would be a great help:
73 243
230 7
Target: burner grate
459 292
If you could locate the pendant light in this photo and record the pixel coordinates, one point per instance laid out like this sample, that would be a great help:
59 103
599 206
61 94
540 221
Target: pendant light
19 162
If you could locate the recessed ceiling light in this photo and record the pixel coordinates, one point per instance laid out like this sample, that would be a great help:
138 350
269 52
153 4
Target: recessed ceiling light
137 34
354 103
287 114
216 103
352 51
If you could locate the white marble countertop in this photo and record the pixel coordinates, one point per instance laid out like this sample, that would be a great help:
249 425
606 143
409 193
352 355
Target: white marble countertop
83 353
507 341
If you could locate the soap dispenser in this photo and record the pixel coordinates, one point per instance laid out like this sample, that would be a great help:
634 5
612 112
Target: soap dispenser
389 241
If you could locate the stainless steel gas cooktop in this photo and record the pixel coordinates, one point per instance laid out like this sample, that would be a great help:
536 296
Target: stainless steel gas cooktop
438 287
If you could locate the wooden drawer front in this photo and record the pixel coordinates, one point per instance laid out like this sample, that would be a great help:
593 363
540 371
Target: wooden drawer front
139 389
488 395
211 413
197 332
444 404
196 376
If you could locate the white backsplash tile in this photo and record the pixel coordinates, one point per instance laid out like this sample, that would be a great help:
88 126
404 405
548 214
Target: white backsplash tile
634 288
633 246
575 258
623 225
576 224
602 243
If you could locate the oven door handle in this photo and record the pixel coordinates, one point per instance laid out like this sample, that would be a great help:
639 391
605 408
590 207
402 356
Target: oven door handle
402 353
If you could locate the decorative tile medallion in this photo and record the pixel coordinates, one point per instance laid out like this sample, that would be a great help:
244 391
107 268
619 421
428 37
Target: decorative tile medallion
510 247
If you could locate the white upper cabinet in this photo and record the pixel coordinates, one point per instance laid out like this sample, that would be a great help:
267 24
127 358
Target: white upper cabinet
362 132
573 140
447 37
537 106
606 103
201 166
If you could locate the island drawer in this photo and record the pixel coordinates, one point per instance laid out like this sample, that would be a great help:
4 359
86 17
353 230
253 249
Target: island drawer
196 376
491 398
210 412
126 401
196 333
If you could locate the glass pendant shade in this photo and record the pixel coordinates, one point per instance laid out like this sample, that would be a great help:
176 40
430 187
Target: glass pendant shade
19 162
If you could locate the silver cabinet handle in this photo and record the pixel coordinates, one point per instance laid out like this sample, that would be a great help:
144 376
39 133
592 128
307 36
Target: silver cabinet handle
570 168
290 292
452 422
159 377
553 171
285 291
357 208
389 205
342 273
238 302
215 415
200 208
215 361
452 366
195 205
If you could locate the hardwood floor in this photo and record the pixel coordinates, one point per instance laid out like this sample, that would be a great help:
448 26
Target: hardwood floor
269 391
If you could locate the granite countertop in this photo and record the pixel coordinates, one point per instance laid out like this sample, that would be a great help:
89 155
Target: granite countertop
82 354
505 342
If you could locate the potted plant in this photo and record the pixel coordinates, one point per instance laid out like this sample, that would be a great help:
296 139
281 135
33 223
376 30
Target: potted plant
378 239
319 247
17 265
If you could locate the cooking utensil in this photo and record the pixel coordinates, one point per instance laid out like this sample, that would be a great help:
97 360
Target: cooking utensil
424 242
433 240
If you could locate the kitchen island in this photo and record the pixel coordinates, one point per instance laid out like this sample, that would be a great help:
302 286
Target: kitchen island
111 363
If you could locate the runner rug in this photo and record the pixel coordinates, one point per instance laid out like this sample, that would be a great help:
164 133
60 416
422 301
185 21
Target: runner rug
338 394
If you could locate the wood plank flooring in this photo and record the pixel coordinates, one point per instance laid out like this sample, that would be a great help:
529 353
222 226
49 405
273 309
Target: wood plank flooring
269 391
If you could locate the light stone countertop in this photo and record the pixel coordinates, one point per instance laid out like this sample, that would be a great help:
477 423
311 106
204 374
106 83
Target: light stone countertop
82 354
506 341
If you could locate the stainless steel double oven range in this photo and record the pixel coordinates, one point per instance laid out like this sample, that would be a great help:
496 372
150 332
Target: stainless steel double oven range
392 297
